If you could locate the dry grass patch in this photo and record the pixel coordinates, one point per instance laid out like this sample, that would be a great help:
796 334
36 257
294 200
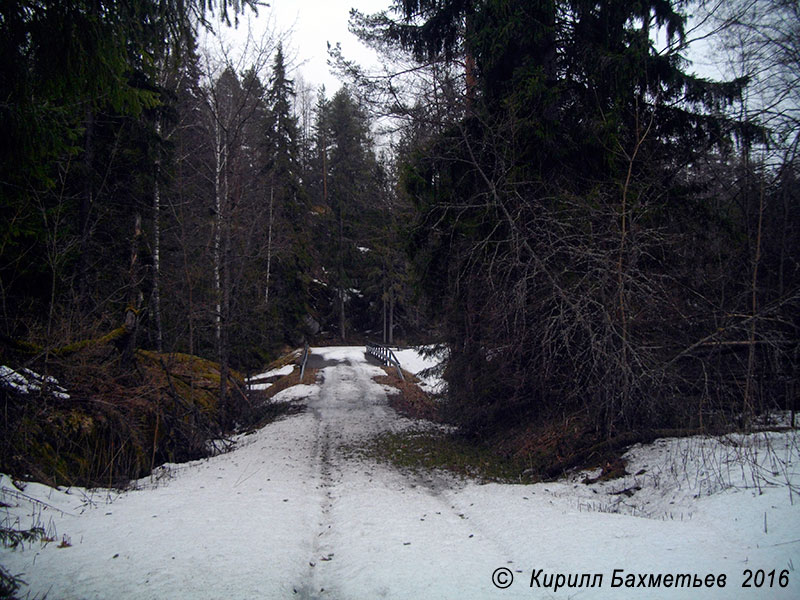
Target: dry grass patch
288 358
285 382
412 401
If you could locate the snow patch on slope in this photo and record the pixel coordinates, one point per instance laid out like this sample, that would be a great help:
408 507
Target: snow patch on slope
426 368
279 372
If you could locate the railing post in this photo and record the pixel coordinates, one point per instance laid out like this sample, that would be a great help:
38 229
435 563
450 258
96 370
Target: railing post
303 364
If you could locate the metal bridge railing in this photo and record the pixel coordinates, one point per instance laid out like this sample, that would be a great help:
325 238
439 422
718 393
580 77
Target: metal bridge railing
386 356
303 364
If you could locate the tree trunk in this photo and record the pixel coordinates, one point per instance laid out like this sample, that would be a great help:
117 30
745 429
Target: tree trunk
324 171
225 300
219 152
383 314
471 79
269 241
134 294
748 387
342 291
84 212
391 315
341 314
157 248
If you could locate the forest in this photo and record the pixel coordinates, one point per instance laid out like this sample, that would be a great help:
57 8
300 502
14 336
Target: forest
606 244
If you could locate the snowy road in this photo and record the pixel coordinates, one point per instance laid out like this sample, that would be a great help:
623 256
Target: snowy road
378 533
291 514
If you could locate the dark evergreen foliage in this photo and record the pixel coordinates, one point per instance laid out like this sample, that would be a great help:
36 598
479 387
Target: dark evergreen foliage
556 216
582 221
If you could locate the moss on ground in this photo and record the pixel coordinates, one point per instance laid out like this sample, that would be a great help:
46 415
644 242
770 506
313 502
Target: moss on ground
119 421
420 450
434 447
526 453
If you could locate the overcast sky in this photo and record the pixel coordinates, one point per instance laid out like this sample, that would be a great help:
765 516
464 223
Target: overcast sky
314 23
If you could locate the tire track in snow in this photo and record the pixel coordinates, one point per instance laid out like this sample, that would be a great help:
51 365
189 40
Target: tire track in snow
376 523
311 588
334 409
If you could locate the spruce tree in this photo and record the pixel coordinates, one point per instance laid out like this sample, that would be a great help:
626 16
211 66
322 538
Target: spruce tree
69 71
551 211
347 207
288 261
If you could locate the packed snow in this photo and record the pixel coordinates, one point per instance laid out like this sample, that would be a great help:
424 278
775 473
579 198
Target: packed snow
295 393
294 512
263 381
259 386
279 372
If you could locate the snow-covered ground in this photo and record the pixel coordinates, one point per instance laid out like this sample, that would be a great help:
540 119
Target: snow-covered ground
279 372
291 513
423 367
264 380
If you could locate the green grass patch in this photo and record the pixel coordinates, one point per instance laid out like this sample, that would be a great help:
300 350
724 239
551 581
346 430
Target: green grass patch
420 450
